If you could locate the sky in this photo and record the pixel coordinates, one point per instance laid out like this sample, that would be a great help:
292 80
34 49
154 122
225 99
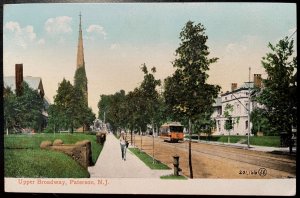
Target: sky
119 37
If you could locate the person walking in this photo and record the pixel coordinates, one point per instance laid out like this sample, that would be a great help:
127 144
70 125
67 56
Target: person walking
123 145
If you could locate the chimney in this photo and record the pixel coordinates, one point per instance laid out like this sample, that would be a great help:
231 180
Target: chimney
19 79
233 86
257 80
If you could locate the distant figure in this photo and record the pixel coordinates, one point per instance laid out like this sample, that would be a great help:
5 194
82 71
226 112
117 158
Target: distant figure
123 145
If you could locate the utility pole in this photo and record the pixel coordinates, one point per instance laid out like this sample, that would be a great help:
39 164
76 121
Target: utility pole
152 142
249 102
190 150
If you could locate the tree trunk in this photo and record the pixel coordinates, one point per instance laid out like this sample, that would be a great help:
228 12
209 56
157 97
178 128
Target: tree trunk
141 138
6 128
190 150
131 136
152 142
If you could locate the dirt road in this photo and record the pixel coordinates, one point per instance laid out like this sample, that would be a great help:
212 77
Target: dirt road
219 161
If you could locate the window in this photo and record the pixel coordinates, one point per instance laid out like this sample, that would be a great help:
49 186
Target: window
246 109
246 124
219 125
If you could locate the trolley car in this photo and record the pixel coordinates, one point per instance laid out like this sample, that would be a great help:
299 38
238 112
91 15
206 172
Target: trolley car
172 131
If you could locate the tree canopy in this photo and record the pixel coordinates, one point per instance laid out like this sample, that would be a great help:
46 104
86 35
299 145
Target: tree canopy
187 93
137 108
278 95
69 110
24 111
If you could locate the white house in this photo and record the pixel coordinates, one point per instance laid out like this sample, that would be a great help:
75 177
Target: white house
238 97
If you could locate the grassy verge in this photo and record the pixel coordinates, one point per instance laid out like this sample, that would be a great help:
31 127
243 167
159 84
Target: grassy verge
148 160
34 141
181 177
24 158
273 141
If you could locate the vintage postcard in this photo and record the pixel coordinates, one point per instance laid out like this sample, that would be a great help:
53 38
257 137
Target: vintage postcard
150 98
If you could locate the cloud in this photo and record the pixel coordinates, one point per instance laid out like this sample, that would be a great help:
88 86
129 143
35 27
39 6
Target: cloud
21 36
41 42
97 29
245 45
29 32
61 24
235 48
115 46
13 26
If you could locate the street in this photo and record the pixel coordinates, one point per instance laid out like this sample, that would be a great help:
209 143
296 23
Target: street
220 161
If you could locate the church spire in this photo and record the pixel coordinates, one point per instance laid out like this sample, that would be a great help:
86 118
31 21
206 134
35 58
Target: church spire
80 55
80 79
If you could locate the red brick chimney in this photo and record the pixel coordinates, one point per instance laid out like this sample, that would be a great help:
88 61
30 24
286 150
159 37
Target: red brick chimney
233 86
257 80
19 79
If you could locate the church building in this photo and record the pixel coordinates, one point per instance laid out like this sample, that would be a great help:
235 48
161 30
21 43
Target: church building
80 79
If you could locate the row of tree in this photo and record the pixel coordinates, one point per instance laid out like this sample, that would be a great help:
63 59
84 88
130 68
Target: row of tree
186 96
134 110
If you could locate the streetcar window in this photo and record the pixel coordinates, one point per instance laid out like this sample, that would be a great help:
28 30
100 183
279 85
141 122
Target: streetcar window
176 128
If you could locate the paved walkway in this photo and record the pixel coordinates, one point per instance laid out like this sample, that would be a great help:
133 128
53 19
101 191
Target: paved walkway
111 165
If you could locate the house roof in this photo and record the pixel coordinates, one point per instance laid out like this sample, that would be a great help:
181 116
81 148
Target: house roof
33 82
244 86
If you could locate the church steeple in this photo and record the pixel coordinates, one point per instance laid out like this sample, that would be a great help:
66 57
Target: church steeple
80 79
80 55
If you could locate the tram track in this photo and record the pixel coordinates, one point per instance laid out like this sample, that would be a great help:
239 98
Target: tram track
256 158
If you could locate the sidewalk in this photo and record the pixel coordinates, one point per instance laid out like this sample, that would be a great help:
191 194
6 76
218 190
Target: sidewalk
111 165
245 146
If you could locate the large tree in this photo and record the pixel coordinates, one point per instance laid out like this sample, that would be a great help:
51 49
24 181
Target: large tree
187 93
278 95
24 111
70 107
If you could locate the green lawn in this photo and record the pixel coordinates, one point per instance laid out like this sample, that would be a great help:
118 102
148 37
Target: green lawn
24 158
35 163
273 141
181 177
148 160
